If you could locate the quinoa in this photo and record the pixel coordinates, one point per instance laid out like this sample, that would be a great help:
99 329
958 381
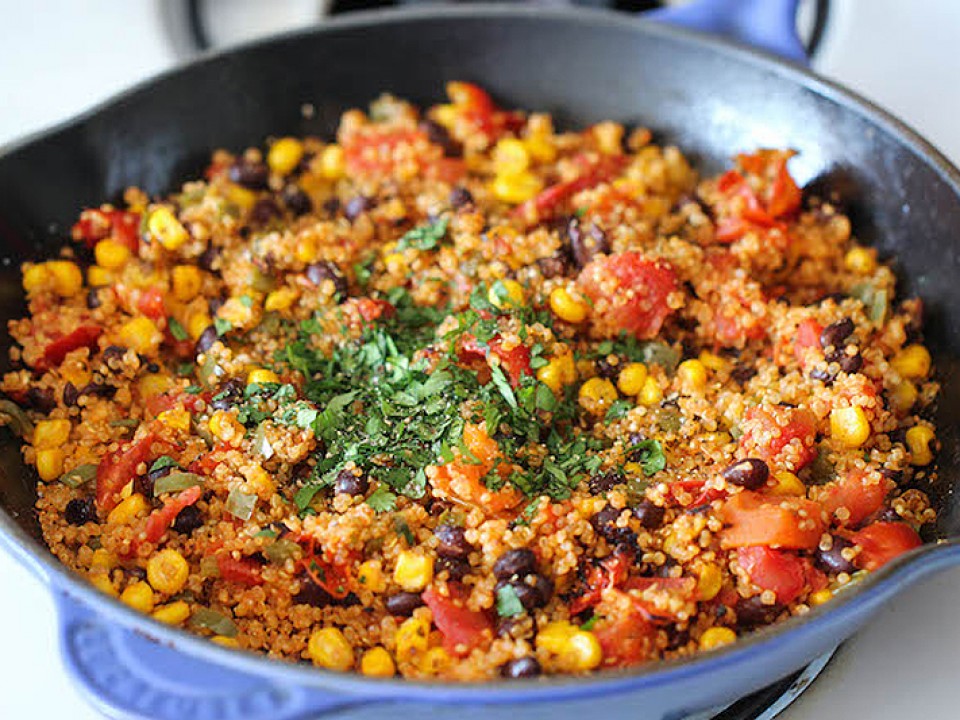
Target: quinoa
458 395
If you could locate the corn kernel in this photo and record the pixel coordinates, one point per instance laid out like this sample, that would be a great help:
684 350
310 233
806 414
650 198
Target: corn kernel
98 276
280 299
175 613
553 636
446 115
913 362
712 361
510 157
103 560
187 281
609 136
506 294
306 249
540 147
237 312
919 439
67 278
262 376
709 582
225 641
849 426
632 378
197 323
904 395
153 384
634 469
332 163
139 596
370 576
51 433
716 637
50 463
568 306
140 334
413 572
103 583
328 648
176 419
241 197
111 255
820 597
692 375
128 510
583 652
225 426
551 375
167 571
860 260
788 484
376 662
412 637
37 278
284 155
434 660
515 189
596 395
568 368
167 229
651 394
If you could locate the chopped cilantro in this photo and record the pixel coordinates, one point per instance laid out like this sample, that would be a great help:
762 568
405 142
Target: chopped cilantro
176 329
382 500
424 237
649 454
508 603
222 326
618 409
193 390
400 525
589 624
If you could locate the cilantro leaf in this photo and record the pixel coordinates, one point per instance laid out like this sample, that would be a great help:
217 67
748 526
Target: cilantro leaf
222 326
424 237
176 329
649 454
382 500
618 409
508 602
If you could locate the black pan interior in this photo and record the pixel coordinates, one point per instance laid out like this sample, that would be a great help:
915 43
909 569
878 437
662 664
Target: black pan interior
711 99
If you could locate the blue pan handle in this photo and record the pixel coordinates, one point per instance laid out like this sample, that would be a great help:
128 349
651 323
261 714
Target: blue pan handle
769 25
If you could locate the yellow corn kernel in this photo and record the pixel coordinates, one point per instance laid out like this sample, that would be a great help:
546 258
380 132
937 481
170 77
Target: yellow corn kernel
712 361
370 576
51 433
103 560
553 636
36 278
237 312
332 164
187 280
259 481
240 196
140 334
176 419
175 613
224 641
446 115
652 393
692 375
376 662
67 278
510 157
551 375
860 260
153 384
412 637
788 484
167 571
540 147
904 395
284 155
328 648
634 469
414 571
98 276
596 395
517 188
128 510
197 323
139 596
913 362
306 249
225 425
506 294
280 299
102 582
609 136
583 652
50 463
262 376
434 660
820 597
568 306
919 438
632 379
111 255
849 426
709 582
167 229
716 637
568 368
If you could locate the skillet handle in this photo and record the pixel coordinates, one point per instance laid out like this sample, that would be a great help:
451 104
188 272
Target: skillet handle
769 25
128 676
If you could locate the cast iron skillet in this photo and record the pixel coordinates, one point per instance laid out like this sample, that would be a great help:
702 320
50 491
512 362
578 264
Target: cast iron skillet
712 98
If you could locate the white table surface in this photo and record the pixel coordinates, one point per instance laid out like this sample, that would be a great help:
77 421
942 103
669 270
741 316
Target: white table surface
61 56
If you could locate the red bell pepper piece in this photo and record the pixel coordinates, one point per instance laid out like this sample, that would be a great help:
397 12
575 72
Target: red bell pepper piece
245 571
56 351
150 303
118 468
462 629
160 520
881 542
782 573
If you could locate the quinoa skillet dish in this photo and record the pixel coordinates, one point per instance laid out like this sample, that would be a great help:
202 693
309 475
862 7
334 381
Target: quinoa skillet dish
457 395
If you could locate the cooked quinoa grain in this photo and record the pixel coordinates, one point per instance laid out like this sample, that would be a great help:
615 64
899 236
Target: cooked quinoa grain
458 395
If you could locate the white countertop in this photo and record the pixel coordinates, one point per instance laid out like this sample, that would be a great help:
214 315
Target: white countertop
62 56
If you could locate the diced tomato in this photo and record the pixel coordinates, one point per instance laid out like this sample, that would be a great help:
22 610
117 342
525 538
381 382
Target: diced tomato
56 351
161 519
95 225
470 97
371 151
118 468
856 492
782 573
808 336
780 435
515 361
681 588
156 404
550 200
462 629
681 489
462 478
629 292
625 635
785 194
779 522
447 170
372 309
245 571
150 303
881 542
608 573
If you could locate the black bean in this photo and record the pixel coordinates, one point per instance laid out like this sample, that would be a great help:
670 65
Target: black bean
137 573
209 258
460 197
349 484
253 175
585 243
743 373
80 511
41 400
356 206
188 520
99 390
296 200
152 367
93 298
519 562
312 594
524 667
752 613
214 304
749 473
112 356
206 340
331 206
263 211
452 541
228 395
604 482
605 521
70 394
609 367
833 335
850 363
162 471
832 561
823 375
457 568
320 271
649 514
438 135
553 266
516 626
403 603
533 592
